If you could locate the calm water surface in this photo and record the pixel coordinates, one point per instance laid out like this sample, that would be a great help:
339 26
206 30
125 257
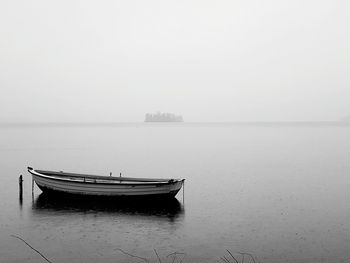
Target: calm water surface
280 192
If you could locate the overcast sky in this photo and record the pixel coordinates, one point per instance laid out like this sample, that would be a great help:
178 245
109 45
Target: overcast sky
207 60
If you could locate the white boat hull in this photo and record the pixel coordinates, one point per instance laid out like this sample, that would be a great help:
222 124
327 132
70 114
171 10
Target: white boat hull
112 188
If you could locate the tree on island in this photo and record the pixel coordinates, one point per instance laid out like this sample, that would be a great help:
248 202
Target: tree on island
163 117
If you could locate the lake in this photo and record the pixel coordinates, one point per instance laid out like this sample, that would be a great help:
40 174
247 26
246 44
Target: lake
278 191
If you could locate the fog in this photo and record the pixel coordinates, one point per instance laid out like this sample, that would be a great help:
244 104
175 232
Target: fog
114 61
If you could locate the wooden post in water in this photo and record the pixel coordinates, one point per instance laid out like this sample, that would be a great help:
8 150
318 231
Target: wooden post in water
32 186
20 182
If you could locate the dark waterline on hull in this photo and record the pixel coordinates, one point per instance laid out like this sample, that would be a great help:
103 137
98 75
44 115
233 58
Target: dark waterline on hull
153 197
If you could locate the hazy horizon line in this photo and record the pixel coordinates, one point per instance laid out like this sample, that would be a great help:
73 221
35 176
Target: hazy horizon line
96 123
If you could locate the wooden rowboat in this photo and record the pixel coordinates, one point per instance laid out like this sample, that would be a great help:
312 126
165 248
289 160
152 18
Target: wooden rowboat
95 185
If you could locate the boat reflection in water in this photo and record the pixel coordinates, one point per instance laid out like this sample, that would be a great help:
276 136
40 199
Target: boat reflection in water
97 226
46 204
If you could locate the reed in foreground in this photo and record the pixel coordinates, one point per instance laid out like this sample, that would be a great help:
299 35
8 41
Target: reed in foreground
174 257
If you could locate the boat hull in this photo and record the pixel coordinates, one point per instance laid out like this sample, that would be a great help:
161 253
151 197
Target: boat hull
111 189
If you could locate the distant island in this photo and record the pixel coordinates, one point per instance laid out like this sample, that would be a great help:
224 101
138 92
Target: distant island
163 117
